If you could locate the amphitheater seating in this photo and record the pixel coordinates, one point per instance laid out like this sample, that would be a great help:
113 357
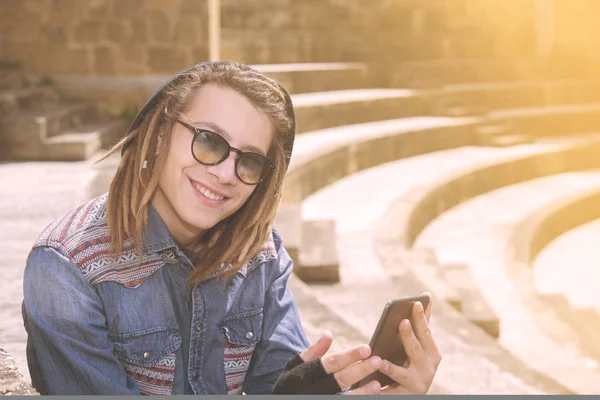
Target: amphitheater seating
416 211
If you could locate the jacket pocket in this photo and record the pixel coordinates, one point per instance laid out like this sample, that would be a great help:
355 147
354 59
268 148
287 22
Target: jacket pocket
240 334
149 358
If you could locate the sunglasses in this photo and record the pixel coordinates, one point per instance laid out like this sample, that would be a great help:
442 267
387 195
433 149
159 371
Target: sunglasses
210 148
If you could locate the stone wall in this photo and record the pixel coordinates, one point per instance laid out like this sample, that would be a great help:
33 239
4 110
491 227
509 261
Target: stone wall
103 37
140 37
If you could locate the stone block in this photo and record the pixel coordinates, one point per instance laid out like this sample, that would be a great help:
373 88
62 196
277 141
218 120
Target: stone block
473 304
139 29
167 60
88 32
318 256
104 60
288 223
160 30
127 9
118 32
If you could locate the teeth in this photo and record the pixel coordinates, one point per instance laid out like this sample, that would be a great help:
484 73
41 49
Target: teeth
207 192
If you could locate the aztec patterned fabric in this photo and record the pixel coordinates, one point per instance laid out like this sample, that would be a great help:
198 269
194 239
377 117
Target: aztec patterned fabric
236 359
154 380
82 237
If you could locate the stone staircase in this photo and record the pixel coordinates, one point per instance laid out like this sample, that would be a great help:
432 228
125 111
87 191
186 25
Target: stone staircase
36 123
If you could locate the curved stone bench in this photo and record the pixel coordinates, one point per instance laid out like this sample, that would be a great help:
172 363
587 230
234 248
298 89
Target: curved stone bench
489 96
531 236
428 202
412 213
408 216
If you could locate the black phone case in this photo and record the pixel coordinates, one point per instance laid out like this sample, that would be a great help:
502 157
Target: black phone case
386 342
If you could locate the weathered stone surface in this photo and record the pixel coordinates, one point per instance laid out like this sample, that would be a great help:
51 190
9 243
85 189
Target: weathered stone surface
118 32
104 60
88 32
11 380
167 59
318 254
160 29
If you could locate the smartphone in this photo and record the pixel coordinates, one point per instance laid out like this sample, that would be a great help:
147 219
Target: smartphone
386 342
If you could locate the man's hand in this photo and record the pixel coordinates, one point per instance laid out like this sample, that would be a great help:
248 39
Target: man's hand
314 372
417 373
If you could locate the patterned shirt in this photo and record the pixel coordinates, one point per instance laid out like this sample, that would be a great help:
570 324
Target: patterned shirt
98 324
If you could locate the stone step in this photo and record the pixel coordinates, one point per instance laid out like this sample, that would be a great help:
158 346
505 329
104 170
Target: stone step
551 120
510 140
513 94
59 119
473 304
72 146
426 268
30 97
585 322
84 142
323 110
318 255
318 77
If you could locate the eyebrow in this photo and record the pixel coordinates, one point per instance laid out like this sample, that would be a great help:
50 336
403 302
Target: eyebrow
227 136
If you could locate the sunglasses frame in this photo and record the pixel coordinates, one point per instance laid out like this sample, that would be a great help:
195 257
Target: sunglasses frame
240 153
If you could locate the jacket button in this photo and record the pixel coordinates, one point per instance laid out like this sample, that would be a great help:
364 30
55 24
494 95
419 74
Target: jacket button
147 355
249 335
196 376
198 326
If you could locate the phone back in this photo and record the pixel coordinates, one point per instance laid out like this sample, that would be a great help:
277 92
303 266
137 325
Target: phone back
386 342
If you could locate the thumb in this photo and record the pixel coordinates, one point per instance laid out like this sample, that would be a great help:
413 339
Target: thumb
317 349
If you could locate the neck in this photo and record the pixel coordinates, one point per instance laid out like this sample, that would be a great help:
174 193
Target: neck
187 236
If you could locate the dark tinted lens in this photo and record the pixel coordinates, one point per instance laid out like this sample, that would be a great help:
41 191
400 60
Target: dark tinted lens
251 167
209 148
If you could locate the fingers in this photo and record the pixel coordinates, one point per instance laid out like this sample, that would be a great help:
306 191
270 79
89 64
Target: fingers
428 310
405 377
423 334
337 361
319 348
372 387
355 372
413 348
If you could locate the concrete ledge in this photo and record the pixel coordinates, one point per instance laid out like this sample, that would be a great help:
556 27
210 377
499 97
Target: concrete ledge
473 304
514 94
318 256
323 110
530 237
428 202
11 380
559 120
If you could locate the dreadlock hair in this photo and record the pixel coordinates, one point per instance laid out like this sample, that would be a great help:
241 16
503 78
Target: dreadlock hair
233 241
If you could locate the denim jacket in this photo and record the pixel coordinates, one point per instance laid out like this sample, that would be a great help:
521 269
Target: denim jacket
100 325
